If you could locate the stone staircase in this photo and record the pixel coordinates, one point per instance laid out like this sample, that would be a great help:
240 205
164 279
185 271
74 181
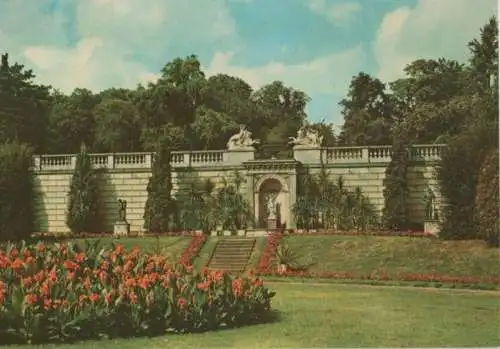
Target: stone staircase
231 254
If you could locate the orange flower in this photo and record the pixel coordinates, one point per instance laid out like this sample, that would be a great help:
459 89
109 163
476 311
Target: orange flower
133 297
82 298
237 287
104 265
87 283
117 270
14 253
40 247
70 265
53 276
129 266
204 286
30 260
70 276
27 281
45 289
80 257
109 297
27 253
39 276
144 283
31 298
94 297
103 276
130 282
119 249
47 303
17 264
3 291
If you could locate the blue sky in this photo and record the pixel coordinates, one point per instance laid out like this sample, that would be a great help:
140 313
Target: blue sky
312 45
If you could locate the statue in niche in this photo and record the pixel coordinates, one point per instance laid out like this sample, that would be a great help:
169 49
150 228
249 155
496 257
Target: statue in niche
241 140
307 136
431 212
271 205
122 212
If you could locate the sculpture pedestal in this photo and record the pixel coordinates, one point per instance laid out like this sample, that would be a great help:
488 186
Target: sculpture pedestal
122 228
431 227
271 223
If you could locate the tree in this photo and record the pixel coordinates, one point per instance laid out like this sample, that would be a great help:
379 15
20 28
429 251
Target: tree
83 196
71 121
213 129
159 206
484 59
282 107
367 112
117 128
23 106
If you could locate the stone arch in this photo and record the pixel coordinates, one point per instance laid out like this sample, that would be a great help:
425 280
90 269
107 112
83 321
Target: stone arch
261 181
271 185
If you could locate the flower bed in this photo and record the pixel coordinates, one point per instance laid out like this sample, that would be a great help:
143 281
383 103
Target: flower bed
365 233
40 235
266 268
193 249
61 293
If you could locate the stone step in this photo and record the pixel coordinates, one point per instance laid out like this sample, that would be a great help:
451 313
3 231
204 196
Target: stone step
232 254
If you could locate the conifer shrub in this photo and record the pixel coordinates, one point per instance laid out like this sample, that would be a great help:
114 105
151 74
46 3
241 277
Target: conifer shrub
17 192
487 199
395 211
83 196
159 208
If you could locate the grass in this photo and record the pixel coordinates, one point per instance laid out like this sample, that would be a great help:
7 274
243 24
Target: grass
364 254
205 253
253 262
329 315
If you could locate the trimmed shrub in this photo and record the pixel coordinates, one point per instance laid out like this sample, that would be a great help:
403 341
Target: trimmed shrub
458 173
159 208
487 199
17 193
83 196
395 211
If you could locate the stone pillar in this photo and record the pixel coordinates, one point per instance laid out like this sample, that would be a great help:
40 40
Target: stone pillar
250 197
292 199
307 154
238 156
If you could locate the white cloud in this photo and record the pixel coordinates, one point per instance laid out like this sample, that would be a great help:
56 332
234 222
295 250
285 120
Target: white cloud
431 29
114 37
328 74
338 13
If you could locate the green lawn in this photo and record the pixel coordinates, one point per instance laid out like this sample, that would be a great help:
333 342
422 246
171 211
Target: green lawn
364 254
328 315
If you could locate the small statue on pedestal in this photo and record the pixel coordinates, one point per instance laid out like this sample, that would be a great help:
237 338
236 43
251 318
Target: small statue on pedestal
122 228
122 212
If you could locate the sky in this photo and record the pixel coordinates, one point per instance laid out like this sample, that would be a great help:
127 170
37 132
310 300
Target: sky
316 46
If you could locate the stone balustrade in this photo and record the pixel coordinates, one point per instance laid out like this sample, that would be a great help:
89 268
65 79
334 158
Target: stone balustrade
216 158
379 154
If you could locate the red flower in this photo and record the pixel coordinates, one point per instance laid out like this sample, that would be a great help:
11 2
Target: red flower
182 303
